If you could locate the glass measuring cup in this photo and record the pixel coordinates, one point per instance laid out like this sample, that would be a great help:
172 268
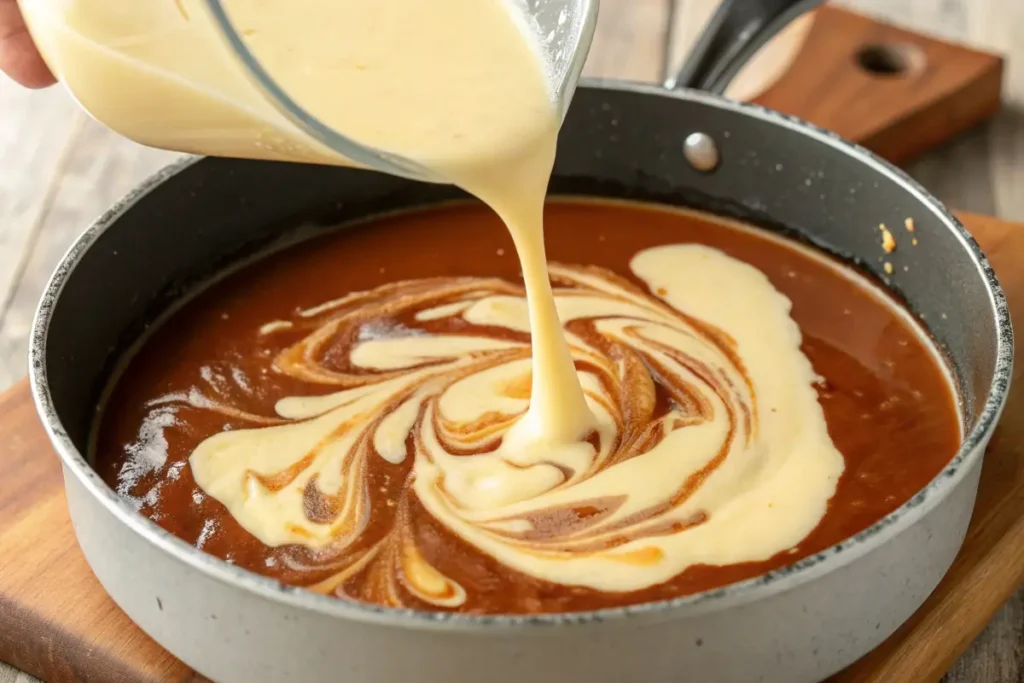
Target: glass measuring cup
181 75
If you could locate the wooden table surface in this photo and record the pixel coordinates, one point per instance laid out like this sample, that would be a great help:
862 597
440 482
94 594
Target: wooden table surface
60 169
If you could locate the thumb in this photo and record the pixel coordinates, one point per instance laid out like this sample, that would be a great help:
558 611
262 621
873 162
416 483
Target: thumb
19 57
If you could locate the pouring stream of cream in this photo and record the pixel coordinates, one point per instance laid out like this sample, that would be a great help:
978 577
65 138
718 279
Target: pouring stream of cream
459 86
578 487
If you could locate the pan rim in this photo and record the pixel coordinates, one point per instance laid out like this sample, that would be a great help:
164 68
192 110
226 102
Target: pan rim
756 588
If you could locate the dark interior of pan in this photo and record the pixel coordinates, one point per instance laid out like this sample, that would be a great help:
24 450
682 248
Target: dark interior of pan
196 220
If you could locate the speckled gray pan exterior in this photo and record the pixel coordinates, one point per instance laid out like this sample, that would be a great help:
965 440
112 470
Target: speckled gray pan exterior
801 623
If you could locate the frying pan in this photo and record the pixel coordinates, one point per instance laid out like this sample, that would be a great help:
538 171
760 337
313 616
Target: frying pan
680 147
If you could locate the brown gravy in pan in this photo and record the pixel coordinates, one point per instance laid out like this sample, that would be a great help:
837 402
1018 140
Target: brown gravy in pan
343 404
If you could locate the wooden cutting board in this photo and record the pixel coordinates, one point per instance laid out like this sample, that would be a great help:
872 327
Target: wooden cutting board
896 92
58 624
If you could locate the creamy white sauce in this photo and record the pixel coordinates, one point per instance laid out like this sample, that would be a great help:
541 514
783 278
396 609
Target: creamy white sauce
753 426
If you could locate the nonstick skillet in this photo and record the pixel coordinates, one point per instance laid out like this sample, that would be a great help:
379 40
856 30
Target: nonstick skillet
679 147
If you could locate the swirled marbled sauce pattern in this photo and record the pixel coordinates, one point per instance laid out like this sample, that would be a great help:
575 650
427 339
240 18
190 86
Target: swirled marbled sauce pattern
711 447
336 416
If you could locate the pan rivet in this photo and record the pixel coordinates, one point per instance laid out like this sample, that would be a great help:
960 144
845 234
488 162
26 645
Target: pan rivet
700 150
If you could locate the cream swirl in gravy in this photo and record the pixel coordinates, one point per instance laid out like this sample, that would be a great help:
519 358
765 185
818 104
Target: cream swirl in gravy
710 446
658 432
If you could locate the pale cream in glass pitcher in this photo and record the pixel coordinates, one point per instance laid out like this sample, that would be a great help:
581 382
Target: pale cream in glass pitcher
470 92
303 80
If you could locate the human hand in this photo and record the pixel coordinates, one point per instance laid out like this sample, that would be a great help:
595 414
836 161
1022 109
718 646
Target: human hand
19 57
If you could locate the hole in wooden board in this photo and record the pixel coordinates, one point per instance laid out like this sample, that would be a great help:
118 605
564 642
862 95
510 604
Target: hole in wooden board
890 60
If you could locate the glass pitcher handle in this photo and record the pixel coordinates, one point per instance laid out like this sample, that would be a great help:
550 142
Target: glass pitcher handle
735 32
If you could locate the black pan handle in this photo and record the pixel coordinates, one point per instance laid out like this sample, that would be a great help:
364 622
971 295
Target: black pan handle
737 30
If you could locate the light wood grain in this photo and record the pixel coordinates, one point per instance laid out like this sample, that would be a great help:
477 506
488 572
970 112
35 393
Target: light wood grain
688 20
60 170
41 134
11 675
97 167
36 134
631 40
